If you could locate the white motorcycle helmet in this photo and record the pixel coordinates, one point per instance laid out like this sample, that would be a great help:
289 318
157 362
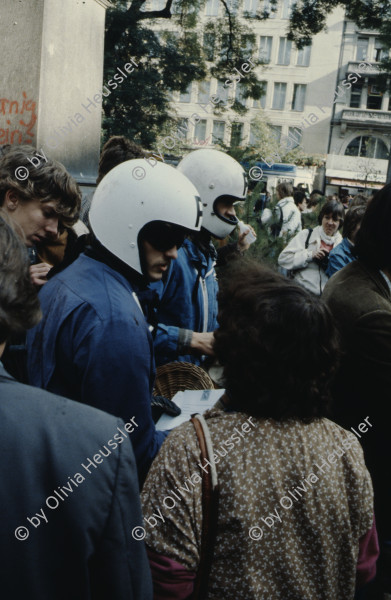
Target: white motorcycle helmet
216 176
134 194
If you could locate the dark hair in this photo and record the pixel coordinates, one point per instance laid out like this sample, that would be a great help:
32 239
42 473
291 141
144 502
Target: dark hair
47 181
277 343
298 197
5 149
314 199
332 207
317 192
117 150
373 241
352 218
284 189
19 304
359 200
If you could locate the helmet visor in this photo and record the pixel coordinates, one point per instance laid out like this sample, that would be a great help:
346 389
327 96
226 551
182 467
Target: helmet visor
163 236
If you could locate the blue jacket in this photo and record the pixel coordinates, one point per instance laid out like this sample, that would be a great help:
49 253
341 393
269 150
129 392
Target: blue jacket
339 257
93 345
188 301
84 547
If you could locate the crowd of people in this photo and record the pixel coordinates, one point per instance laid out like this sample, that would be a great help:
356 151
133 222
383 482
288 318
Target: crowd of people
282 489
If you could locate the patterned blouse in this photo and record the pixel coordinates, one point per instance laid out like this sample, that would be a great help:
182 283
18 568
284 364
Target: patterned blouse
294 501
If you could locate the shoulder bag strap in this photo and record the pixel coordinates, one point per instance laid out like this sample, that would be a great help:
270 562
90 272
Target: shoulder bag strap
210 507
308 238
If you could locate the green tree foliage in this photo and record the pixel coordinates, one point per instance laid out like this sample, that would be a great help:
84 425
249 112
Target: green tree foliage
140 106
309 17
167 62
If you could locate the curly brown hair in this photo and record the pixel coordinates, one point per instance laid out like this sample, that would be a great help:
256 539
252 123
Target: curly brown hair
277 343
47 181
19 304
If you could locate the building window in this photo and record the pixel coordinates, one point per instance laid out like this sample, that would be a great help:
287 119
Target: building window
212 8
265 48
232 6
236 134
209 46
286 9
276 131
279 96
185 96
355 95
246 45
250 7
218 131
362 48
303 56
375 96
295 134
261 103
284 51
224 45
200 131
298 98
203 92
222 93
239 94
379 51
369 147
270 9
183 128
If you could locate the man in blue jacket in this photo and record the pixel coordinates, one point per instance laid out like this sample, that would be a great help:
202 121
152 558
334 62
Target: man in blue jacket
187 312
71 515
94 343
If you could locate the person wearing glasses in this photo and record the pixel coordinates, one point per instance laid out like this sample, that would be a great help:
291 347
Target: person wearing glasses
187 311
94 343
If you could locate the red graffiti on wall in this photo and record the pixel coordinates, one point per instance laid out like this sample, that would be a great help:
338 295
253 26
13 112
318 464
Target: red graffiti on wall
23 133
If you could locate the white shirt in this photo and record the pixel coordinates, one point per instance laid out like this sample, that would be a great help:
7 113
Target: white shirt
291 216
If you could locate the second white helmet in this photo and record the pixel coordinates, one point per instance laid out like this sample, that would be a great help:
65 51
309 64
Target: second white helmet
216 176
134 194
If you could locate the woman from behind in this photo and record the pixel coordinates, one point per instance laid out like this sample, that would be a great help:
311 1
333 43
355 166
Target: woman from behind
295 516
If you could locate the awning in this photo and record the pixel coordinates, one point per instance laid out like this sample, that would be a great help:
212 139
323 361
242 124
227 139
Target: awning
354 183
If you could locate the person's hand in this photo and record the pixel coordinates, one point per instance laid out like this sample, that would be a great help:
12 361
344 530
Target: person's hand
38 273
319 254
243 244
202 342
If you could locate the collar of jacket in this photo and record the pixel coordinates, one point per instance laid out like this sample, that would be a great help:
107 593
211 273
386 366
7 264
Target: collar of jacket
286 200
96 251
200 248
4 374
148 298
377 277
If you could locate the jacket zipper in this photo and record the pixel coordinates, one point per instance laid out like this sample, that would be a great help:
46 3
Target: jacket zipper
206 306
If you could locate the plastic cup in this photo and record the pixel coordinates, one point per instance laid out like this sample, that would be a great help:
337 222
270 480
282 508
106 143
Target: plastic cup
250 237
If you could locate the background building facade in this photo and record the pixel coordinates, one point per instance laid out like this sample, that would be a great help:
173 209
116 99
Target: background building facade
323 97
360 139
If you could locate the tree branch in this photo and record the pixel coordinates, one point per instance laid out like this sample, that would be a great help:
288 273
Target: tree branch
230 29
139 15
